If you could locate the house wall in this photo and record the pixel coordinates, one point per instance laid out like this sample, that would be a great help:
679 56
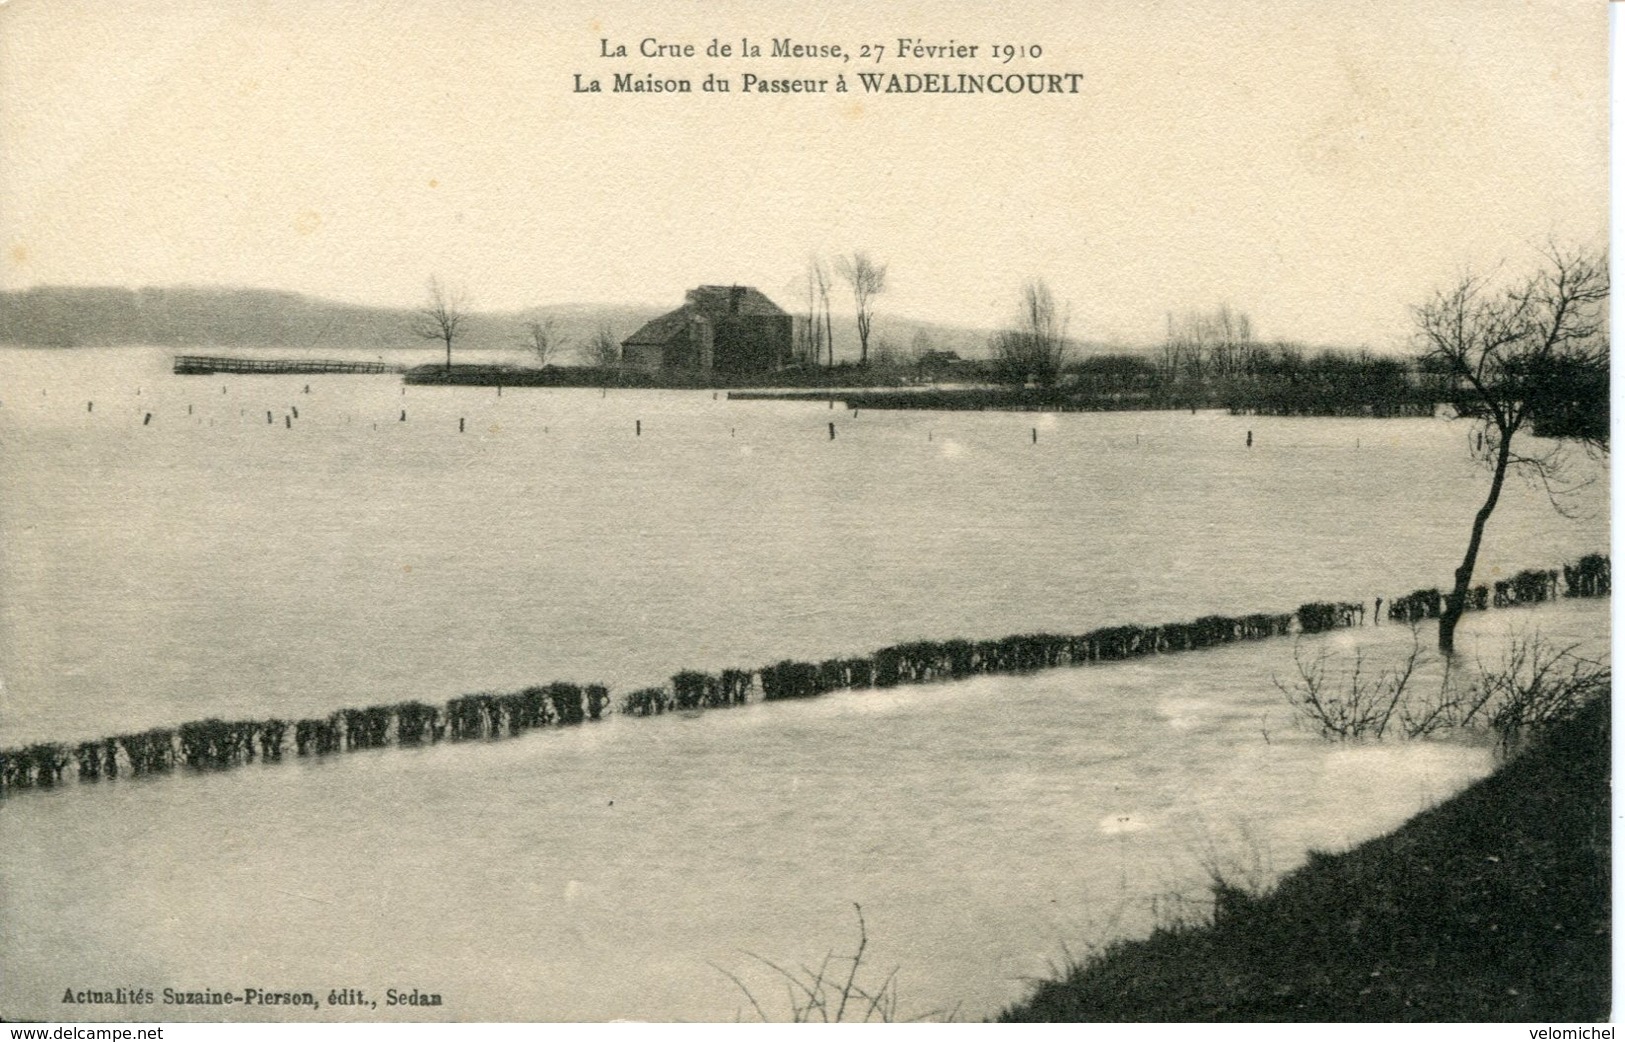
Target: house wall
703 336
751 343
643 356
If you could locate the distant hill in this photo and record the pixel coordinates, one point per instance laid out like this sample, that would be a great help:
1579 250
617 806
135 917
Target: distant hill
197 318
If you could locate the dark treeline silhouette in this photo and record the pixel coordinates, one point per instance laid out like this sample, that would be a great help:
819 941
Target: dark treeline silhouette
1284 381
840 375
215 743
1267 379
467 375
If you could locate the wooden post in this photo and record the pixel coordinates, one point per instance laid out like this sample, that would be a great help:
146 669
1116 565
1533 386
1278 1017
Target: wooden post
459 425
403 415
147 420
268 418
638 430
288 420
832 430
1035 435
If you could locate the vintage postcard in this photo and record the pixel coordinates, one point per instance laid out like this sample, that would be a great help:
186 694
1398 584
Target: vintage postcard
531 511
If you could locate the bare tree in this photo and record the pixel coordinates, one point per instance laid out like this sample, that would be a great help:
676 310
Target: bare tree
824 286
604 350
1208 343
887 354
1346 703
543 340
816 334
808 333
867 280
1507 350
920 346
1035 348
443 317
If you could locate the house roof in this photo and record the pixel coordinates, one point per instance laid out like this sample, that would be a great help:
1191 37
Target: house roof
719 300
709 302
662 330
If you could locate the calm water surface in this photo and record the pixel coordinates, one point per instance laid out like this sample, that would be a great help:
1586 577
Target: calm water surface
213 563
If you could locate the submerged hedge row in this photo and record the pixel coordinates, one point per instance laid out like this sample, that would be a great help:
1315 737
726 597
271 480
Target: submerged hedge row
1591 576
214 743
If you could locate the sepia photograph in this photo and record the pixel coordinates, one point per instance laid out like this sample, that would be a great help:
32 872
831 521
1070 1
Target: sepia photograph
534 511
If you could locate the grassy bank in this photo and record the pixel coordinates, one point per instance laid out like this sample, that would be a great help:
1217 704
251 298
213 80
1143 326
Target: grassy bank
1493 906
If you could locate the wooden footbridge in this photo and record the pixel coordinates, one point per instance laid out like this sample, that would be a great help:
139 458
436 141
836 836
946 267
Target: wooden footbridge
206 365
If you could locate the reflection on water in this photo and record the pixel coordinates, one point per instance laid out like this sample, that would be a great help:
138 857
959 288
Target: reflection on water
166 572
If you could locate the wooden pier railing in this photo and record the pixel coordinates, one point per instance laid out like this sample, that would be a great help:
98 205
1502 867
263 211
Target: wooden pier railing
205 365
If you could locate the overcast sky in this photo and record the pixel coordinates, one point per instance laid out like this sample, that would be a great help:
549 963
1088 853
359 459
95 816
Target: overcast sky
1317 165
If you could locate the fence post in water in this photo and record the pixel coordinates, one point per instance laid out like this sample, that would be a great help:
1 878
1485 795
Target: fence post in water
90 406
268 418
637 430
288 421
1035 435
459 425
147 419
832 430
403 415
